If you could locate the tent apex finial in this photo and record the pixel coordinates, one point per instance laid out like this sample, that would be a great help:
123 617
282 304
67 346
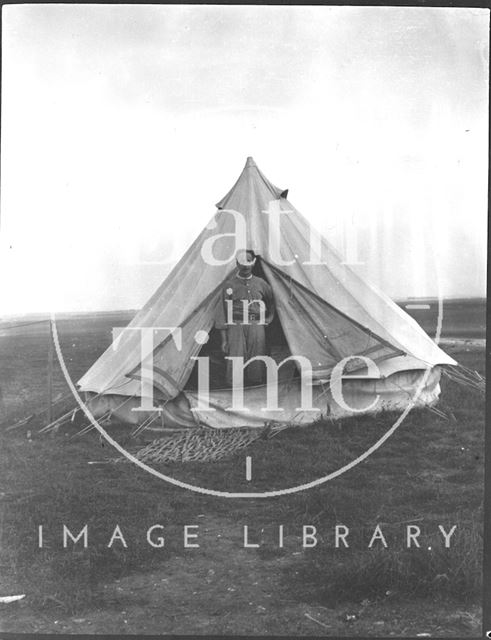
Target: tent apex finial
250 162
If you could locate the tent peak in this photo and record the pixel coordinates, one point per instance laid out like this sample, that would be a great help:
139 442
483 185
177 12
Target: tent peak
251 191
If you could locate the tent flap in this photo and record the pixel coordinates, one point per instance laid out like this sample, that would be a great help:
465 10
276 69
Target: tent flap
316 330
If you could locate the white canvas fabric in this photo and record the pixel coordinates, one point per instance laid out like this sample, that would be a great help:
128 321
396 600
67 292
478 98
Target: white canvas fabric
326 310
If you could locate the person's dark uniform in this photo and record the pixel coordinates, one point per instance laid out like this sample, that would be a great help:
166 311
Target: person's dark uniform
247 335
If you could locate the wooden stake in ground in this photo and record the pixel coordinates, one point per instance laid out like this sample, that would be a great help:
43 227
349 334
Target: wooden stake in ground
50 374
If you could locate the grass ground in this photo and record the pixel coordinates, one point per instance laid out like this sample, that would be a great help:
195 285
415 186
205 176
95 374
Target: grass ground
429 472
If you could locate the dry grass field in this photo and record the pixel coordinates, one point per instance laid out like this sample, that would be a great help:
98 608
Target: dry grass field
429 473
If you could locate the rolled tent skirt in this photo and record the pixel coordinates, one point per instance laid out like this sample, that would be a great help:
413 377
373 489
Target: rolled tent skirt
416 387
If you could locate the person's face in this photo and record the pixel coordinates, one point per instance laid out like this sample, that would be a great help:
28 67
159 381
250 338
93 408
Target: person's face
245 270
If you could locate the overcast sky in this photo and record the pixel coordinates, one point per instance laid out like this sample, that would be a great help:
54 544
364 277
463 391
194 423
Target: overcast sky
122 126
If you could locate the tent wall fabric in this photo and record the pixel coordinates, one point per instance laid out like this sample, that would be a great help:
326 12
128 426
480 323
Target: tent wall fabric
328 335
327 312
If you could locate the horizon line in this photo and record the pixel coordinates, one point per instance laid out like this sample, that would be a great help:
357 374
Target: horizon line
18 314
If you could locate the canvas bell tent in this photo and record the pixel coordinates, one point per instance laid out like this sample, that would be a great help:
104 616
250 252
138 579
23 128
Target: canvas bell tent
325 313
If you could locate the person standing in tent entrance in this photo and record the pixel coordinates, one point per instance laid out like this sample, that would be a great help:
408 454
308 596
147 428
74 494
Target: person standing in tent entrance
246 308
